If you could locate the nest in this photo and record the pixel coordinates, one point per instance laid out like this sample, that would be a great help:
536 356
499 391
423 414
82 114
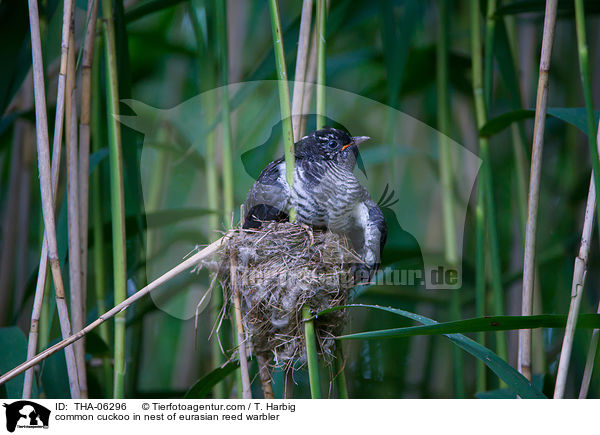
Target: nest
279 269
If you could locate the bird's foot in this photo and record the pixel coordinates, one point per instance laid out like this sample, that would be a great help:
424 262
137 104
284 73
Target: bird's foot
309 230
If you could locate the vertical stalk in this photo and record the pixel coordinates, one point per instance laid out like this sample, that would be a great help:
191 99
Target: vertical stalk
581 261
579 273
116 196
485 178
208 81
445 167
225 112
480 376
524 356
77 319
84 141
584 66
321 26
589 362
226 150
311 353
518 145
246 392
340 374
284 97
488 70
46 187
97 225
301 65
311 73
45 320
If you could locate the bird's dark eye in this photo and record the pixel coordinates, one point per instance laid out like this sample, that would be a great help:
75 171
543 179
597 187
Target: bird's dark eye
332 144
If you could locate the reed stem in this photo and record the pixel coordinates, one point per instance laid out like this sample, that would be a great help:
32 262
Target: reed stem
284 97
117 309
301 67
97 221
225 113
116 196
74 234
311 353
579 273
485 177
584 66
46 185
589 362
524 355
208 82
321 62
445 168
340 376
84 141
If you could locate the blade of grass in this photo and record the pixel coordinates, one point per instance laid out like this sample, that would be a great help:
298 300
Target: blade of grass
479 324
524 355
501 368
46 185
116 196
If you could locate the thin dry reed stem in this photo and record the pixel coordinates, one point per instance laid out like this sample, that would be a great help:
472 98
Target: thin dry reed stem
181 267
84 140
524 357
589 363
46 186
77 321
301 68
241 340
579 274
311 74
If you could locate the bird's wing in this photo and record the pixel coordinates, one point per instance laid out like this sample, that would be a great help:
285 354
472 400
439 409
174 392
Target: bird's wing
268 198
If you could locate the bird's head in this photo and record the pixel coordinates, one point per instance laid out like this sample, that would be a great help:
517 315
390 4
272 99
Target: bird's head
330 144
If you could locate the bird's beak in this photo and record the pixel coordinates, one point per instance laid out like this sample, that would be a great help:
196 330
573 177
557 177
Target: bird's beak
360 139
356 140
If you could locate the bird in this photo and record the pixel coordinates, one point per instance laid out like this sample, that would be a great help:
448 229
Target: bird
325 195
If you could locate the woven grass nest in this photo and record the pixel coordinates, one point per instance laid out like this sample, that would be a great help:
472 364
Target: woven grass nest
280 268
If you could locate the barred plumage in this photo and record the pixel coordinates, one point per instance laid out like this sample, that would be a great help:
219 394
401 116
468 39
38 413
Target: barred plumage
325 193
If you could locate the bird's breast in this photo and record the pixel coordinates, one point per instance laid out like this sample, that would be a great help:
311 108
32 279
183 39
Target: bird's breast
324 195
